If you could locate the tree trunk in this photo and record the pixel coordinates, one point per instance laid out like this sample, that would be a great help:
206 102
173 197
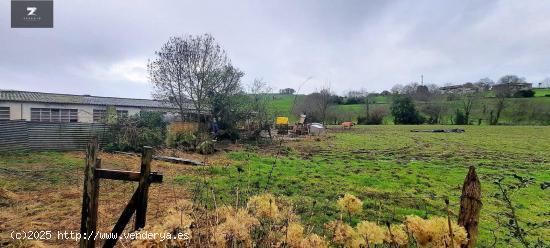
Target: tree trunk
470 206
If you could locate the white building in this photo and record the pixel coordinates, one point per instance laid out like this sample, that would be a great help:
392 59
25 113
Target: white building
52 107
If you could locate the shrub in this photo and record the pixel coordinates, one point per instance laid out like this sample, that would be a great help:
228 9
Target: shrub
235 227
134 132
398 235
354 100
206 147
362 120
229 134
460 118
404 111
264 206
376 117
524 93
183 140
434 232
350 204
342 233
373 233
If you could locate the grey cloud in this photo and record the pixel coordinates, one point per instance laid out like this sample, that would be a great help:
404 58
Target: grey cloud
101 47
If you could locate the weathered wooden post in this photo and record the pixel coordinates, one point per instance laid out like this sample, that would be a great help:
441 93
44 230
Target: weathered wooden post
141 208
88 223
470 206
90 197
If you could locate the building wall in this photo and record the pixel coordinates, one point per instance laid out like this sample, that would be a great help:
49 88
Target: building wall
22 111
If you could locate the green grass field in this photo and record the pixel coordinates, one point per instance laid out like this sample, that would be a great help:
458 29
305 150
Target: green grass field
395 172
542 92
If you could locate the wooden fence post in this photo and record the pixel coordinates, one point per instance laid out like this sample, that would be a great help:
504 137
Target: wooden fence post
470 206
141 207
90 197
88 223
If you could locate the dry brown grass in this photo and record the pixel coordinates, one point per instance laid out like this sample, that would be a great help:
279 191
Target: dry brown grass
56 207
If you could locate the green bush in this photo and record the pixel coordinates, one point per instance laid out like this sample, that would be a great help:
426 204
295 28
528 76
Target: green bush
371 120
460 118
206 147
229 134
184 140
524 93
362 120
404 111
133 132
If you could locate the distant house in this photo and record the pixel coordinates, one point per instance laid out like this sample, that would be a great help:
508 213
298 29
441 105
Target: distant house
511 88
54 107
460 89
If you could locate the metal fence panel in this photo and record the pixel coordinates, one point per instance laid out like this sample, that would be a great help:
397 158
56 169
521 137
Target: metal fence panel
42 136
14 136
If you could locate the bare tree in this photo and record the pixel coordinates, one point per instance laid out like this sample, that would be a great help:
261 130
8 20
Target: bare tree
323 101
192 69
545 83
500 104
434 110
468 102
510 79
397 89
259 106
316 105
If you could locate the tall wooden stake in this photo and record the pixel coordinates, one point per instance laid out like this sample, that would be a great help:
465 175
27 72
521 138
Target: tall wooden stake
88 223
141 208
470 206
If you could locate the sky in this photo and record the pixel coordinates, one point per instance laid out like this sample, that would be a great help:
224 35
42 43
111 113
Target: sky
101 47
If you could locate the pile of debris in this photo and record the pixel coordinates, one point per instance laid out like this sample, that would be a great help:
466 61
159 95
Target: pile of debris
452 130
299 128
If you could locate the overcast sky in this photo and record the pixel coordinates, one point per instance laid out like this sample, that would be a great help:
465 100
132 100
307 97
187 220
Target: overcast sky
101 47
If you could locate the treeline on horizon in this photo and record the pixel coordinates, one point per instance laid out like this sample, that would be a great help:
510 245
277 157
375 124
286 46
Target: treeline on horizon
476 103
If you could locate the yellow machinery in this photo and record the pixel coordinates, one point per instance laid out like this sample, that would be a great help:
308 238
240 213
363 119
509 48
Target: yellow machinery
281 124
281 120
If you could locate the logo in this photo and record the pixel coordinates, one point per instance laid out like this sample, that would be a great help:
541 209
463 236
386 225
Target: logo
32 13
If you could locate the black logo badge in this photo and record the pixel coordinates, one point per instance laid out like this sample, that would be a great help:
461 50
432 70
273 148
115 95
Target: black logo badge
32 14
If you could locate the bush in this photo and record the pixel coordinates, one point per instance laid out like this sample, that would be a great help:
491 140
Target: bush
524 93
182 140
229 134
362 120
460 118
206 147
354 100
134 132
404 111
376 117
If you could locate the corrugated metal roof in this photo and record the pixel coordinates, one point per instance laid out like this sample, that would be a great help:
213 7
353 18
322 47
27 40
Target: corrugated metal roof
28 96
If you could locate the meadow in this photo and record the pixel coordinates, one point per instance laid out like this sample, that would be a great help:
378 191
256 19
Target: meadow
394 171
518 111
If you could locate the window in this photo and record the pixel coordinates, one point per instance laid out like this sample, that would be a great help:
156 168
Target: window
4 113
99 115
54 115
122 113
